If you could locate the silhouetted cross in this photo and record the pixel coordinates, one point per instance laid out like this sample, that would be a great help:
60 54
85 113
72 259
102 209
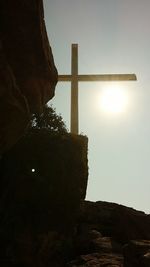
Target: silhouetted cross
74 78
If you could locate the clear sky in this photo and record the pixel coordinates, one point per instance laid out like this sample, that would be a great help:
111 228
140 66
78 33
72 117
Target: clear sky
113 37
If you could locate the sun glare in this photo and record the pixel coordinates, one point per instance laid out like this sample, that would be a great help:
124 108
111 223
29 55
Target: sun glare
113 99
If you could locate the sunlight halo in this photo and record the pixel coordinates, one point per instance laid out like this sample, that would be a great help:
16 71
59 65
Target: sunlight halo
113 99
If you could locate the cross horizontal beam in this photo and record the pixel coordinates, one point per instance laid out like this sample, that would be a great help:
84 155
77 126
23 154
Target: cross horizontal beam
97 77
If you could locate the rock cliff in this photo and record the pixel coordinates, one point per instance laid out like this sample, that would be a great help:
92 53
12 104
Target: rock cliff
27 71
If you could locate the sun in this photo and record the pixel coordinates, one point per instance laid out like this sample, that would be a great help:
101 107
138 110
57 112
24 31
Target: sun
113 99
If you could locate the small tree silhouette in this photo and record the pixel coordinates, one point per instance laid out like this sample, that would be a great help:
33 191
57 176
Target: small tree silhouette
48 119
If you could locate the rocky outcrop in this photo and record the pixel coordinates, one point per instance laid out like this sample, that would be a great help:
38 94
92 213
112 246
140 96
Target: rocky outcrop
119 222
105 236
27 72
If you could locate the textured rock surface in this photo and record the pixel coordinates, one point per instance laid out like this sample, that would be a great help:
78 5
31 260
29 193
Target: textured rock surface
27 72
137 253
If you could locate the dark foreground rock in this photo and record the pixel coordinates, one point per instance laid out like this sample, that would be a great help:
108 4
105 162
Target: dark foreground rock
94 242
45 220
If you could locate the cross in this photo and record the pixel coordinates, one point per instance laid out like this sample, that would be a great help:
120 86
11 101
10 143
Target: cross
74 78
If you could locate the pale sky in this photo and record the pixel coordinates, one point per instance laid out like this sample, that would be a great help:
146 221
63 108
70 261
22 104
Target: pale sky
113 37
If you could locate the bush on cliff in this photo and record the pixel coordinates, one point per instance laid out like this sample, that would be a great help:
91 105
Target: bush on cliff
49 120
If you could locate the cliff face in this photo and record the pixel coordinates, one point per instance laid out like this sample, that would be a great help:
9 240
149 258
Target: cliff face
27 71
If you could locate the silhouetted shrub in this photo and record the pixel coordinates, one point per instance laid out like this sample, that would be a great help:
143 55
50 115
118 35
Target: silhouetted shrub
48 119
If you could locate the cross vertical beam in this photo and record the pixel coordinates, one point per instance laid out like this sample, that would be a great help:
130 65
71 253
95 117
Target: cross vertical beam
74 90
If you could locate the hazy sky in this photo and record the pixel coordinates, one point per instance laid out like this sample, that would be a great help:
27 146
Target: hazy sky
113 37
